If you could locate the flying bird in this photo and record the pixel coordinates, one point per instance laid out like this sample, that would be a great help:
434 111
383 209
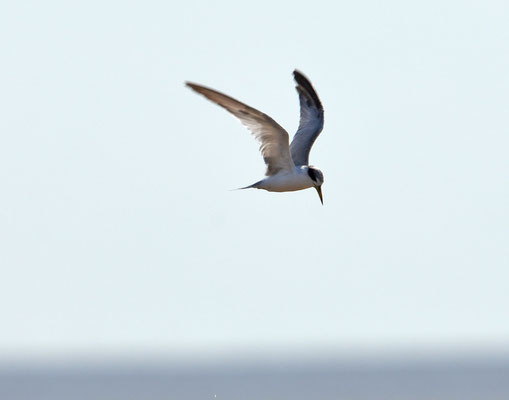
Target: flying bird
288 166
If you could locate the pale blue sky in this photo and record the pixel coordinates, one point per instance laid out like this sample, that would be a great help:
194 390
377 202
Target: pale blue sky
118 229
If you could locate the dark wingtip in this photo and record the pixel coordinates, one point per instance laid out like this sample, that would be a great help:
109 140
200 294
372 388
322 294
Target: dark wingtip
297 74
305 84
300 78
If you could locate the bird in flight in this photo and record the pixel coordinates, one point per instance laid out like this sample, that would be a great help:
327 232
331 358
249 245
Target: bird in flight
288 166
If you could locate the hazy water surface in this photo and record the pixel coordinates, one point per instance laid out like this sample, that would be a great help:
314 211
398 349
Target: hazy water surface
438 380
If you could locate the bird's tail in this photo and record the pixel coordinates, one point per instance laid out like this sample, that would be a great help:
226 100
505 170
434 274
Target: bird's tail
254 185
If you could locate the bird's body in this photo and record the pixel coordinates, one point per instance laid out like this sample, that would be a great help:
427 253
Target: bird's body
286 181
287 164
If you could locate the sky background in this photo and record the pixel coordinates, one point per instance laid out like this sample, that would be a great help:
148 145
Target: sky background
119 232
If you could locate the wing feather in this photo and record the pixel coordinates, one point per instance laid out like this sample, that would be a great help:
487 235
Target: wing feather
311 120
274 140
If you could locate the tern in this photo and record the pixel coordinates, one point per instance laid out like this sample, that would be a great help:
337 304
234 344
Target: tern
288 166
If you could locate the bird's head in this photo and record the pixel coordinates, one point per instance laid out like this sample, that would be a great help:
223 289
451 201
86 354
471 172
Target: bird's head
317 177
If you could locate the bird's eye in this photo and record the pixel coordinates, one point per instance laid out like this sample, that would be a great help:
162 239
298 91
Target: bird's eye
312 174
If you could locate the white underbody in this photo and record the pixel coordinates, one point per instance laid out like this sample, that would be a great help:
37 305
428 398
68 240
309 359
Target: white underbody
286 181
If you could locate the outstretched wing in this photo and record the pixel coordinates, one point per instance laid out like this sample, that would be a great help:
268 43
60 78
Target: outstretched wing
274 140
311 120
